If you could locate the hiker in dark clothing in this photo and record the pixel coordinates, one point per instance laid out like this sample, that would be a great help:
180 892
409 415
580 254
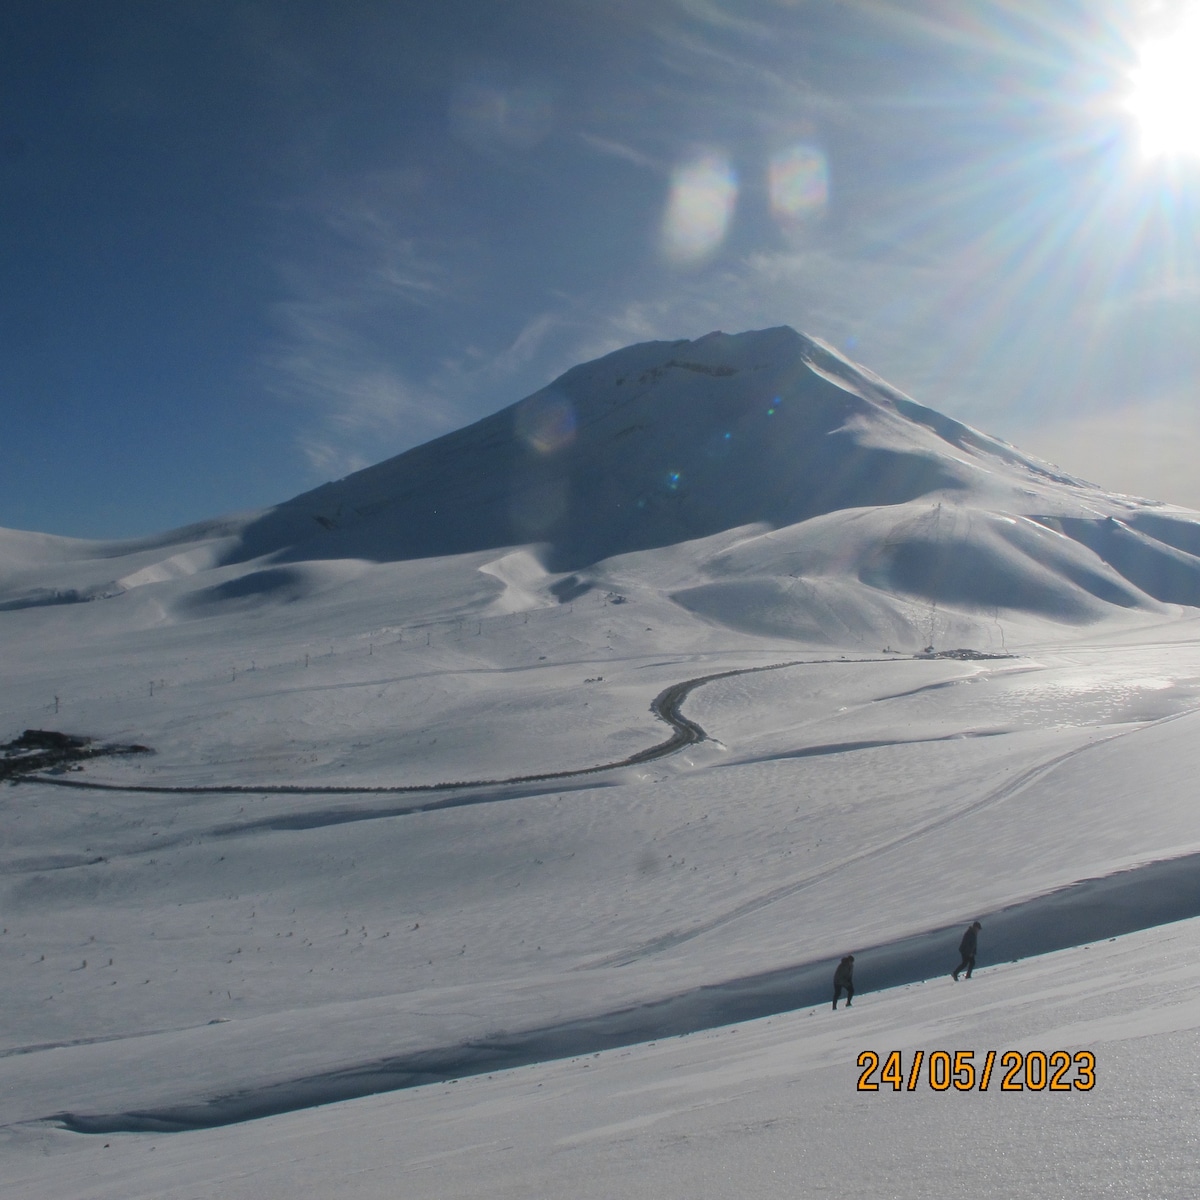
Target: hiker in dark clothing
967 949
843 981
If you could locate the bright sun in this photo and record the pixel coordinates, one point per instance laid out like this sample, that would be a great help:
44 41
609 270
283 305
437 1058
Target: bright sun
1165 97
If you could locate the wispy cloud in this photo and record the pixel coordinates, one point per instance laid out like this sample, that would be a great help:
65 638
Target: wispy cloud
615 149
525 347
332 355
716 15
337 357
816 290
390 333
356 401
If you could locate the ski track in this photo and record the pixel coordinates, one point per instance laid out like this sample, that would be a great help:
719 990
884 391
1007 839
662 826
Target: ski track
1003 792
758 903
850 747
101 1039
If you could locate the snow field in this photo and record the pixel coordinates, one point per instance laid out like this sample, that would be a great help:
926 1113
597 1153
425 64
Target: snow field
408 626
322 932
768 1108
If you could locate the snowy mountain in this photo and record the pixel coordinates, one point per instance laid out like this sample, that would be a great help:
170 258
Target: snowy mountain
841 491
653 445
602 721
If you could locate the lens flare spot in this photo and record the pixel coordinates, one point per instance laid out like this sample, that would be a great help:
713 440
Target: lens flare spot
546 423
703 196
798 182
1165 91
673 481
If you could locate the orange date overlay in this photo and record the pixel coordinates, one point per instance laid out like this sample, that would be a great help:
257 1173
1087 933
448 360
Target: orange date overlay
965 1071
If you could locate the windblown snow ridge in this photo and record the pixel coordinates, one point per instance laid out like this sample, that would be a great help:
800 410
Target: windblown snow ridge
1087 911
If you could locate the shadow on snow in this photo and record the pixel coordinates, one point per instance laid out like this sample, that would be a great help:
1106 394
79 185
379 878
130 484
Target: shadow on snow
1087 911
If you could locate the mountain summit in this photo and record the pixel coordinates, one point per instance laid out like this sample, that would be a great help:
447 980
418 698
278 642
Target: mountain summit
652 445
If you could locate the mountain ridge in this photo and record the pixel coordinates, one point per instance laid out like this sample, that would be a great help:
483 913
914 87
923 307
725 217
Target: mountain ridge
870 498
647 446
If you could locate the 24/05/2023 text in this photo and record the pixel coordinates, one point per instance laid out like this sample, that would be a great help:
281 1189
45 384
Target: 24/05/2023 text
943 1070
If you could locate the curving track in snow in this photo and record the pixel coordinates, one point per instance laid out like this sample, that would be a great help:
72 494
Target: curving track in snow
665 706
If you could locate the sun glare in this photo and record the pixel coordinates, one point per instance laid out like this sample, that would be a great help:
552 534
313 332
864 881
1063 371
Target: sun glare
703 195
1165 98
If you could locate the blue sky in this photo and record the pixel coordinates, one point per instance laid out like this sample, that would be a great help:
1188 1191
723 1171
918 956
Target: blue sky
250 246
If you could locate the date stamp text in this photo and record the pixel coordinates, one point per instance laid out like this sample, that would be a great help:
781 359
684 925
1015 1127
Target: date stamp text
966 1071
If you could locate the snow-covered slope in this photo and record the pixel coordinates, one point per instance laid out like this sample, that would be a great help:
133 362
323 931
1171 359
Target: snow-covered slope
652 445
669 442
883 502
768 1108
239 924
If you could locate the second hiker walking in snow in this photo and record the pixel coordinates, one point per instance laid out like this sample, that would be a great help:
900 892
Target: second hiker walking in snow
966 948
843 981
